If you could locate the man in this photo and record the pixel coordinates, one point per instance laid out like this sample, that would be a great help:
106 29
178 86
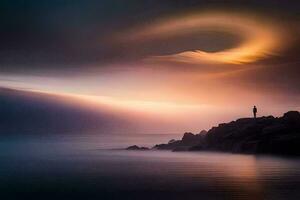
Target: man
254 111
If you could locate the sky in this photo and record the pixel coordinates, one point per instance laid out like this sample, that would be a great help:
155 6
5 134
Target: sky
191 64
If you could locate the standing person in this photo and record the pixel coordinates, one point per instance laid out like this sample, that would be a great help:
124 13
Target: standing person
254 111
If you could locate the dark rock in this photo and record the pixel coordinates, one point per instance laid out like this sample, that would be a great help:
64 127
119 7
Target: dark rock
292 119
169 146
203 132
172 141
137 148
188 136
268 135
188 140
262 135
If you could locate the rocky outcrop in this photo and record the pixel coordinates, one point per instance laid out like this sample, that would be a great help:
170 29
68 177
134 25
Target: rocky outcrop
267 135
137 148
264 135
188 140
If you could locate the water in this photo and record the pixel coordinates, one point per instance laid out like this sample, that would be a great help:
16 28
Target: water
79 167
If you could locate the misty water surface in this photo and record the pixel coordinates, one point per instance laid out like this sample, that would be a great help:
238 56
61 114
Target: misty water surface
84 167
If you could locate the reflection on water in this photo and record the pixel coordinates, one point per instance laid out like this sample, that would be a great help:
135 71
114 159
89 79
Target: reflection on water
73 167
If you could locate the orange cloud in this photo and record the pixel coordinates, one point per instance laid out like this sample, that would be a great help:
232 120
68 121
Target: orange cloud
260 39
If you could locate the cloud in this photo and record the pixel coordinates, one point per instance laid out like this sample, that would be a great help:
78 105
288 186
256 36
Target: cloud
260 38
222 59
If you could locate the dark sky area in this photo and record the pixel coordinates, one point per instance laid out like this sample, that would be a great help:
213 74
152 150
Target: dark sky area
62 33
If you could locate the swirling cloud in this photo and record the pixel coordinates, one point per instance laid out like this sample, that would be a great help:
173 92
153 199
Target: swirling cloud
260 38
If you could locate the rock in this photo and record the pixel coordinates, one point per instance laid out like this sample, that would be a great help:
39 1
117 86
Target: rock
203 132
292 119
169 146
172 141
188 140
267 135
137 148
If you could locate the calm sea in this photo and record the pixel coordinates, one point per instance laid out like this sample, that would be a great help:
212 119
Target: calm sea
85 167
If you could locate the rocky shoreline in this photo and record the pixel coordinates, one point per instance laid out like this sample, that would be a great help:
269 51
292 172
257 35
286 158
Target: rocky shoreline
263 135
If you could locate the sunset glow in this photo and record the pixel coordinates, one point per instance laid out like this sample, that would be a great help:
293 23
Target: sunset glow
192 69
259 39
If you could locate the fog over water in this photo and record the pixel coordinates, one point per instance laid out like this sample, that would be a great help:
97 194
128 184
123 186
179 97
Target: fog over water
73 166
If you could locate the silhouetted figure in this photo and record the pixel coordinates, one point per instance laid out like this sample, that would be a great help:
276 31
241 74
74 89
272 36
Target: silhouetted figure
254 111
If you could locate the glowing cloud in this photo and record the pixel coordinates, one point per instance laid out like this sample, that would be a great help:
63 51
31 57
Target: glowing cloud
260 39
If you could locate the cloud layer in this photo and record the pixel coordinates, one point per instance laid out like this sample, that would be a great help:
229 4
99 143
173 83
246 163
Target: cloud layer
259 39
174 59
